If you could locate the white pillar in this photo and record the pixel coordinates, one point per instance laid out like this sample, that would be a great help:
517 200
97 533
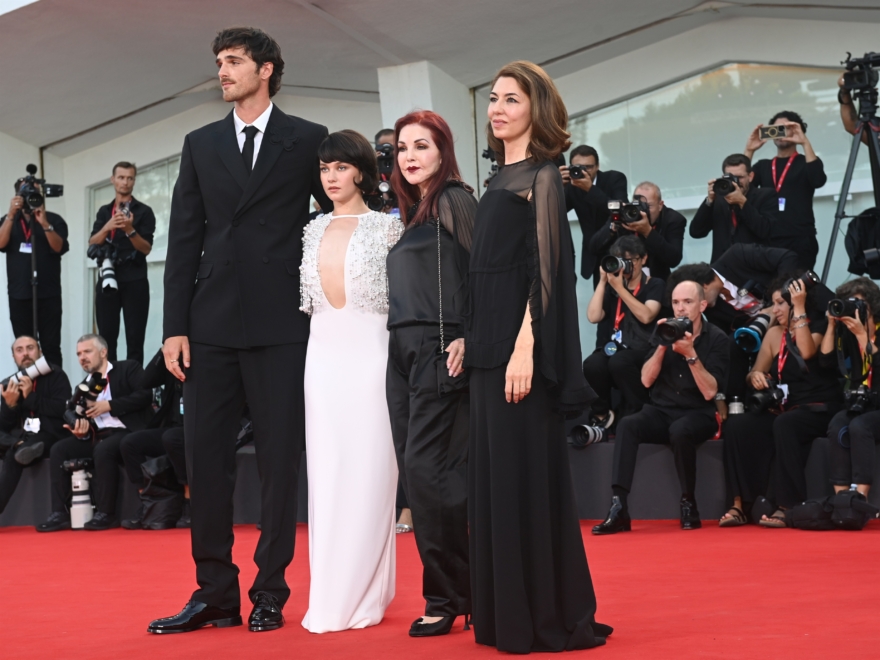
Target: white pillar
422 86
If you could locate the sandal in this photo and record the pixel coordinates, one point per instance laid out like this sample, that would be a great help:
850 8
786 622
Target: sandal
777 520
733 518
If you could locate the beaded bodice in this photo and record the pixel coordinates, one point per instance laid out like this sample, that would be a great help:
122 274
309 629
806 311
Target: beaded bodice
366 278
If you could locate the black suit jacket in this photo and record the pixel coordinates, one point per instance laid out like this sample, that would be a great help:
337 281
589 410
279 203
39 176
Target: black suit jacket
754 221
129 401
47 401
591 209
235 240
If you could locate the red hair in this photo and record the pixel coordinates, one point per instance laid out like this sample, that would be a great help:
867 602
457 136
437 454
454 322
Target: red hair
409 194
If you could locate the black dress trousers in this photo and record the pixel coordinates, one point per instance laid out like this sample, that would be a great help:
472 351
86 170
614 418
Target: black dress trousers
173 442
11 470
21 314
133 300
140 446
104 485
853 440
622 370
217 384
430 438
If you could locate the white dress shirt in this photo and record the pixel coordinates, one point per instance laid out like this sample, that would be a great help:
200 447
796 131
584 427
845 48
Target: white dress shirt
260 122
107 420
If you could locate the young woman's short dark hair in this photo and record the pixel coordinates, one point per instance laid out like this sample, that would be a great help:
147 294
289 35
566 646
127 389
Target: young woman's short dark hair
583 151
351 147
789 115
258 45
632 245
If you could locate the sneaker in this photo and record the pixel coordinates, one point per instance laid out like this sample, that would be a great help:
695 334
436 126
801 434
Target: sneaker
55 523
137 521
581 436
29 453
101 522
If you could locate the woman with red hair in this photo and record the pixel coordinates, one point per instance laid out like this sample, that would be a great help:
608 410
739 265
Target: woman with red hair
425 384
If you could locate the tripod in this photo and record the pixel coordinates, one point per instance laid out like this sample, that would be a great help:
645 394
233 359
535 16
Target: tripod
868 126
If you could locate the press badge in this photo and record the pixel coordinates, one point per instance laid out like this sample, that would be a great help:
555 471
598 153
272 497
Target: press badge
617 337
27 248
32 425
782 203
784 388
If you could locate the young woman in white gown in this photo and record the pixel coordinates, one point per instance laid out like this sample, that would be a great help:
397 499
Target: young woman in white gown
351 463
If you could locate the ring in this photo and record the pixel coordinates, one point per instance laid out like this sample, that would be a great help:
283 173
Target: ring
172 360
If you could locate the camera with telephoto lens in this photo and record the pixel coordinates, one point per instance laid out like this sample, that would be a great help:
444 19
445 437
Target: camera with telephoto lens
726 184
74 464
849 307
39 368
860 73
86 391
108 257
577 172
671 330
862 399
611 264
767 399
385 158
809 278
749 337
26 187
627 212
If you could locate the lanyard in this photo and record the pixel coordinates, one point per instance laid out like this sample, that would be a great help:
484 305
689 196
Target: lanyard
618 316
778 185
782 357
113 212
733 218
24 228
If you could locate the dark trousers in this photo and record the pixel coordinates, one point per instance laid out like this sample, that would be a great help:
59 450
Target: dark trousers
173 441
217 384
140 446
10 469
430 438
683 429
737 371
622 370
104 485
21 313
851 452
133 299
794 439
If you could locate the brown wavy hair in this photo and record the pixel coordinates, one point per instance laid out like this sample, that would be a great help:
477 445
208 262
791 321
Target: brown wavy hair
549 117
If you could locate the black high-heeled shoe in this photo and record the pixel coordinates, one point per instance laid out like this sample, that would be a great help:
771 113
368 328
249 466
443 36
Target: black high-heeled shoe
435 629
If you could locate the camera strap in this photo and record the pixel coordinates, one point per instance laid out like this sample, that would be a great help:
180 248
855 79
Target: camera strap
778 185
27 231
787 347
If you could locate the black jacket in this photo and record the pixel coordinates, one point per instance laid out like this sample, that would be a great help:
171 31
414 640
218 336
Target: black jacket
157 375
591 209
133 264
235 240
754 221
18 263
47 401
664 243
128 400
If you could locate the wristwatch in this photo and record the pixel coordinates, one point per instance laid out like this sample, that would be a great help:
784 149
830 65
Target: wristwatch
692 361
49 228
133 232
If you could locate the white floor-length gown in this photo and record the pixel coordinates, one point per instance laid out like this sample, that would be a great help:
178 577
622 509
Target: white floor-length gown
352 470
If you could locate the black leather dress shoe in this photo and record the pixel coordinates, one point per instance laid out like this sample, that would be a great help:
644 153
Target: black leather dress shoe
29 452
137 522
441 627
618 519
55 523
100 522
185 521
266 614
690 517
194 616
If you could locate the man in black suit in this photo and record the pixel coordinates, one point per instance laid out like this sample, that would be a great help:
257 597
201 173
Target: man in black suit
746 215
588 196
236 334
121 407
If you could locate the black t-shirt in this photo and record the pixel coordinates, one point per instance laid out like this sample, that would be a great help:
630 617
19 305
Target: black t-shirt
634 334
819 384
18 263
798 187
675 386
132 263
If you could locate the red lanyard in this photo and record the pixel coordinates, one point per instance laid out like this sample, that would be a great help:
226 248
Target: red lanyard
27 232
778 185
782 357
733 217
618 316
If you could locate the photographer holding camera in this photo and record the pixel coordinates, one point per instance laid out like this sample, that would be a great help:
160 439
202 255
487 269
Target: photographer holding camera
852 337
794 177
385 153
794 399
23 231
30 415
685 370
735 211
588 190
123 236
661 228
98 433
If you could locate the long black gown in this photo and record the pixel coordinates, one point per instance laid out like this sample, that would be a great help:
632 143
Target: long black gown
530 583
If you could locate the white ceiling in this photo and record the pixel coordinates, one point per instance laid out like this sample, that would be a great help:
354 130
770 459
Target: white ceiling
75 66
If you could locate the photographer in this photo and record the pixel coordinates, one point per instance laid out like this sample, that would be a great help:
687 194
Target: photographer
23 230
114 414
744 215
685 377
385 150
125 229
794 178
660 227
794 399
588 193
849 115
854 433
30 416
631 300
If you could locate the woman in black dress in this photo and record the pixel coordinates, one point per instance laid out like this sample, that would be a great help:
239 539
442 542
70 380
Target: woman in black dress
425 353
530 583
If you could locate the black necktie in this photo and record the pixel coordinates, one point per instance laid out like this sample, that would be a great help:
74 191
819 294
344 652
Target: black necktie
248 152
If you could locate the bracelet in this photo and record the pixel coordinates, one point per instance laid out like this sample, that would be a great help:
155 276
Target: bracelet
800 325
800 318
133 232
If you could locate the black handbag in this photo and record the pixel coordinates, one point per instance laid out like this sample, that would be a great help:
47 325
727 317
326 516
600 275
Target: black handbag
446 384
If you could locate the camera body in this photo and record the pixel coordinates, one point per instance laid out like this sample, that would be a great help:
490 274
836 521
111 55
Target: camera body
577 172
860 73
671 330
626 212
725 184
862 399
768 399
849 307
385 158
27 189
612 264
809 278
86 391
75 464
772 132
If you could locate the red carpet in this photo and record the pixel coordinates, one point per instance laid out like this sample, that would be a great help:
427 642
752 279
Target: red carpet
713 593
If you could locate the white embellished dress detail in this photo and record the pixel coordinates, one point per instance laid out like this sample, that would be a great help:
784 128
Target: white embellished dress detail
352 470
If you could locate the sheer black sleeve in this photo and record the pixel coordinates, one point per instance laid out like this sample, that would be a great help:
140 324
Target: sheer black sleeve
457 209
552 298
